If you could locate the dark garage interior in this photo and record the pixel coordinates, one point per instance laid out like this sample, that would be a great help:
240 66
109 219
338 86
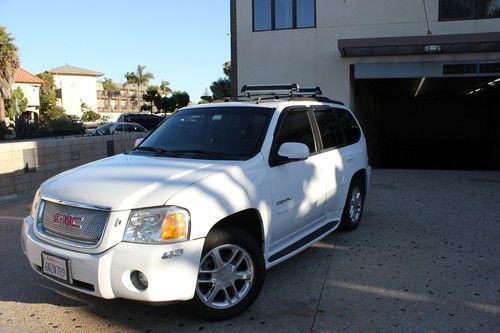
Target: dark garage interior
431 123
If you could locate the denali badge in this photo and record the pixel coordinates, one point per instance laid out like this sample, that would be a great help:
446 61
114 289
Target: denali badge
68 220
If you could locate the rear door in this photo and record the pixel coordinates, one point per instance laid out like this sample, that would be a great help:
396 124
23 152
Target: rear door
332 161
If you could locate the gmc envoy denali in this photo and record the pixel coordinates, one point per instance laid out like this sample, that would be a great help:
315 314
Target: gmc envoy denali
209 200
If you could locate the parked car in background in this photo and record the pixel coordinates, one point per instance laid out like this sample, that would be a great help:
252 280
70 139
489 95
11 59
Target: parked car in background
119 127
148 121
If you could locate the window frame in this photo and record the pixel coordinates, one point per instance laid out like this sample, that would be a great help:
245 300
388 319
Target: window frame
475 14
330 109
344 135
294 17
274 159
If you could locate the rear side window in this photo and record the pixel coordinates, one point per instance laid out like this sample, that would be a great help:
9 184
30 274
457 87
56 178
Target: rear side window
348 124
331 135
296 128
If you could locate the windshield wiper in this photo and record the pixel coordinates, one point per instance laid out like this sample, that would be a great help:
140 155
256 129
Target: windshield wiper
211 154
156 150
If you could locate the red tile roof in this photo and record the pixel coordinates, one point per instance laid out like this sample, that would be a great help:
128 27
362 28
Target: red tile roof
23 76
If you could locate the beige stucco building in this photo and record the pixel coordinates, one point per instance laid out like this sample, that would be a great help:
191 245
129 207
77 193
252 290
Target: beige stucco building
30 85
413 71
75 86
112 104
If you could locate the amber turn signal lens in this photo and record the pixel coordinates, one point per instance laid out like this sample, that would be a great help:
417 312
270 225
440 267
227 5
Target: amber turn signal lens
174 227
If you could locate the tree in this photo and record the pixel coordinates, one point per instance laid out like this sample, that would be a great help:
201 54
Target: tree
110 87
88 114
10 105
140 79
9 62
221 88
48 98
178 100
151 96
164 88
226 68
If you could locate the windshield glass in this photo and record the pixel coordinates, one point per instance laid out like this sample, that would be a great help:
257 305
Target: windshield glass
210 133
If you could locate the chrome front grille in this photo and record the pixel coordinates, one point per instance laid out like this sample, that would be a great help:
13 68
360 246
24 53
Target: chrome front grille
81 225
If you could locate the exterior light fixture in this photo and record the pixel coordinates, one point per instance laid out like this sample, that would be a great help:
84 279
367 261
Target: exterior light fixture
419 87
431 49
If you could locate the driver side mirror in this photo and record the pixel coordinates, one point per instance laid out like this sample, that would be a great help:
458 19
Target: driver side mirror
138 141
294 151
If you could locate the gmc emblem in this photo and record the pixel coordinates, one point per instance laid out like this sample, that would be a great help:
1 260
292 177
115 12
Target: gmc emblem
68 220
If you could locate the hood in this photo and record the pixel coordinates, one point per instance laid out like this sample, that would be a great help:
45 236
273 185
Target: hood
130 181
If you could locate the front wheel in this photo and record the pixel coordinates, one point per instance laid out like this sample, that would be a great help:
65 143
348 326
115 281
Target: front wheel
230 275
353 209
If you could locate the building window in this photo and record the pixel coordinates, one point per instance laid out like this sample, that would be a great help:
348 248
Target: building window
283 14
468 9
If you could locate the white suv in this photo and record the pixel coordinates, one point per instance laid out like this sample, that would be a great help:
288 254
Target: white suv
208 201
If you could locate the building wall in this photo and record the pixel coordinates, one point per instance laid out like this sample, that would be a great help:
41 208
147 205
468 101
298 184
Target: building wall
76 89
310 57
122 101
32 93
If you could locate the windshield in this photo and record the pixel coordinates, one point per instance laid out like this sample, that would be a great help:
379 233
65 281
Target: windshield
210 133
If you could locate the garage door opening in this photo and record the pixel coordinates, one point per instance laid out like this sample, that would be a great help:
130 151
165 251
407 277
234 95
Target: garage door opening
431 123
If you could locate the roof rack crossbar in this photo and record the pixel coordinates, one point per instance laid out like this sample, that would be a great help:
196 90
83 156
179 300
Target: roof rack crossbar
269 87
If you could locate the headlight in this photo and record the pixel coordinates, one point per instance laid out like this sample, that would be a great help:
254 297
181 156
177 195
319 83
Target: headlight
157 225
35 204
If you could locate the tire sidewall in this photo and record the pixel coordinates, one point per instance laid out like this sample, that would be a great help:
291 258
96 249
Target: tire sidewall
346 223
223 236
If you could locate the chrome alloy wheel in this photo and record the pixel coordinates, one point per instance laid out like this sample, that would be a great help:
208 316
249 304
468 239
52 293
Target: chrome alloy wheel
355 204
225 276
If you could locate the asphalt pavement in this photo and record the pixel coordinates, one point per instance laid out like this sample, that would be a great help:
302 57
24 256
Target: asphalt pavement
426 258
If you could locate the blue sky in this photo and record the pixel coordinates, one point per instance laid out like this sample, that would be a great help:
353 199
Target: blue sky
184 42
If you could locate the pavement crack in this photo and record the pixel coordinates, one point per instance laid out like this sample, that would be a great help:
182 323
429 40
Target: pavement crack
321 293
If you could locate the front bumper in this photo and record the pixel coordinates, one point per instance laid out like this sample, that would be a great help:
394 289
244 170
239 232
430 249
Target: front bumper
108 274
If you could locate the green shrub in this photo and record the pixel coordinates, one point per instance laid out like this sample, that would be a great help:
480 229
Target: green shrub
25 129
61 126
56 127
90 115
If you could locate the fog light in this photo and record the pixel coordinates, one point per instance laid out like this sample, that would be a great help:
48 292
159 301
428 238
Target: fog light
139 280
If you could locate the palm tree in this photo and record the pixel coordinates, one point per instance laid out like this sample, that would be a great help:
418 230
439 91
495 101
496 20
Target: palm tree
140 79
164 88
110 88
9 61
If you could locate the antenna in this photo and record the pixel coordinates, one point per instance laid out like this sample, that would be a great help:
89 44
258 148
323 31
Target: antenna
429 33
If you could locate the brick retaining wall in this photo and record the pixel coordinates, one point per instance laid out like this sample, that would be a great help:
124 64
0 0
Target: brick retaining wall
24 165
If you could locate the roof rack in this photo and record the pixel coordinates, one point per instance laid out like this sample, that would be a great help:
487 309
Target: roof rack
280 91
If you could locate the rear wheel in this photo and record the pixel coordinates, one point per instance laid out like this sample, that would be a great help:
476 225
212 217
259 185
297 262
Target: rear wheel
230 275
353 209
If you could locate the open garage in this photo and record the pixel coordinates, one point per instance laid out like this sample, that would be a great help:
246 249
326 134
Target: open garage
439 116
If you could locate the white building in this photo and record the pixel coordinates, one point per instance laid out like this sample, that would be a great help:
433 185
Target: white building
30 85
75 86
422 76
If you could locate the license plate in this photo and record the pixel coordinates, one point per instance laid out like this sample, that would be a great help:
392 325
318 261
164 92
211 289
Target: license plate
56 267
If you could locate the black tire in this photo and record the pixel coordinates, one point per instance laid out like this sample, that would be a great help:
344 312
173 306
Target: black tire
218 238
347 223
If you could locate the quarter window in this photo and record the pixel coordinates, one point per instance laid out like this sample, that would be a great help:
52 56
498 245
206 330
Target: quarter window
283 14
331 136
296 128
349 126
468 9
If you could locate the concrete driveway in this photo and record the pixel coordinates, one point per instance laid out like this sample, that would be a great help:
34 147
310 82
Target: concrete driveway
425 258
